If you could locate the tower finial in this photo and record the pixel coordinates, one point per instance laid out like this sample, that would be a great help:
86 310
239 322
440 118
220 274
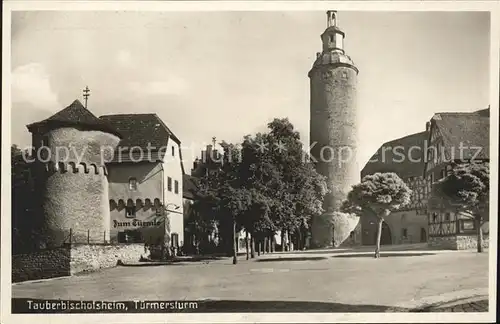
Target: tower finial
86 94
214 140
331 19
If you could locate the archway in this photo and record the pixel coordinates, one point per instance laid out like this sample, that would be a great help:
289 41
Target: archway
385 237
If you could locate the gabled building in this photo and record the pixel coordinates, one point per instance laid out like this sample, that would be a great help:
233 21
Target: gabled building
421 159
145 175
455 138
403 156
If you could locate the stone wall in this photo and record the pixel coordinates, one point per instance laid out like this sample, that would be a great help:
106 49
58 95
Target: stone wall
465 242
445 242
460 242
67 261
41 265
88 258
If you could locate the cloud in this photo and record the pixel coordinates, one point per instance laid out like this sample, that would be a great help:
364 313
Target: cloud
172 85
31 84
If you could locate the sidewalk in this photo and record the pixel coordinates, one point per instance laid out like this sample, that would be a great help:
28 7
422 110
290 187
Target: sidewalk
468 300
468 305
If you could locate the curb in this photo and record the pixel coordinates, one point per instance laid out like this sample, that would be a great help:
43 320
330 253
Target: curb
438 300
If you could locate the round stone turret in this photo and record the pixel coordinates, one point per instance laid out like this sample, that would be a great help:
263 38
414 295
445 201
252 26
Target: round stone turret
333 125
71 149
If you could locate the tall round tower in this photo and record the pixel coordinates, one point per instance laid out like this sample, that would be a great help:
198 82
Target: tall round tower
70 175
333 124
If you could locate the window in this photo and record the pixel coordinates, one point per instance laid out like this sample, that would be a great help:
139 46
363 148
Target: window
173 151
332 38
132 184
130 209
447 216
434 217
130 212
468 225
404 233
443 173
176 186
169 184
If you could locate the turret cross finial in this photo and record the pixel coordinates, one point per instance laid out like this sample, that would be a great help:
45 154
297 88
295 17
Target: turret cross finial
86 94
214 140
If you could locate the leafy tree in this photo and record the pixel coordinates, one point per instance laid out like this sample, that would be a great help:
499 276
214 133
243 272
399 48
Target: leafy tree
378 195
25 227
303 189
467 190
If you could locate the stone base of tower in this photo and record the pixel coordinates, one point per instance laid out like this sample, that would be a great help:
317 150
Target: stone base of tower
322 231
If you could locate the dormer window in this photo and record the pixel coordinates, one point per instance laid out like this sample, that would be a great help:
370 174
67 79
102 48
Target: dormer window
132 184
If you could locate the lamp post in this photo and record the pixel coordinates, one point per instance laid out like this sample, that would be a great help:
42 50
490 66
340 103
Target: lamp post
165 226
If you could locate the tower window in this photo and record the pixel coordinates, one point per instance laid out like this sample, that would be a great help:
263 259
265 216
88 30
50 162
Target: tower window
173 151
130 209
176 186
132 184
332 38
169 184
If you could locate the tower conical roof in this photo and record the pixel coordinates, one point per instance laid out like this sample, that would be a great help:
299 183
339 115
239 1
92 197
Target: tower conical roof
74 115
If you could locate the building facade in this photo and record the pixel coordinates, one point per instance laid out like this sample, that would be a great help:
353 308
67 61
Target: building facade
333 124
108 179
146 183
455 138
423 159
403 156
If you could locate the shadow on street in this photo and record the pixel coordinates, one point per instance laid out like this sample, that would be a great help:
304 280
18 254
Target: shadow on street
382 255
291 259
20 305
178 261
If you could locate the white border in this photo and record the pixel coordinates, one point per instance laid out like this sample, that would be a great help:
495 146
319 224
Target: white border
9 6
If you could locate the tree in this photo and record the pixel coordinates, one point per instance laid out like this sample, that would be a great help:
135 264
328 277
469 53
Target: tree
302 189
378 195
467 190
25 227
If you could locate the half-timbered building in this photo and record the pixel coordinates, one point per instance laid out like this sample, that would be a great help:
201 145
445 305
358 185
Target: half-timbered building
454 138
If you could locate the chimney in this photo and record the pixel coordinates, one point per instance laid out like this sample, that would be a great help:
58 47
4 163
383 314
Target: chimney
427 126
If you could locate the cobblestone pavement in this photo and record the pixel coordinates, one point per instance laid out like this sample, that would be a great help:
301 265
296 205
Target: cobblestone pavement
473 306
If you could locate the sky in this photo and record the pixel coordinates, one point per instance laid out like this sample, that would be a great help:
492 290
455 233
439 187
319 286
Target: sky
227 74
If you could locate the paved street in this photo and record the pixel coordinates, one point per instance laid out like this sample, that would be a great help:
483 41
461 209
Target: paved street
341 281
